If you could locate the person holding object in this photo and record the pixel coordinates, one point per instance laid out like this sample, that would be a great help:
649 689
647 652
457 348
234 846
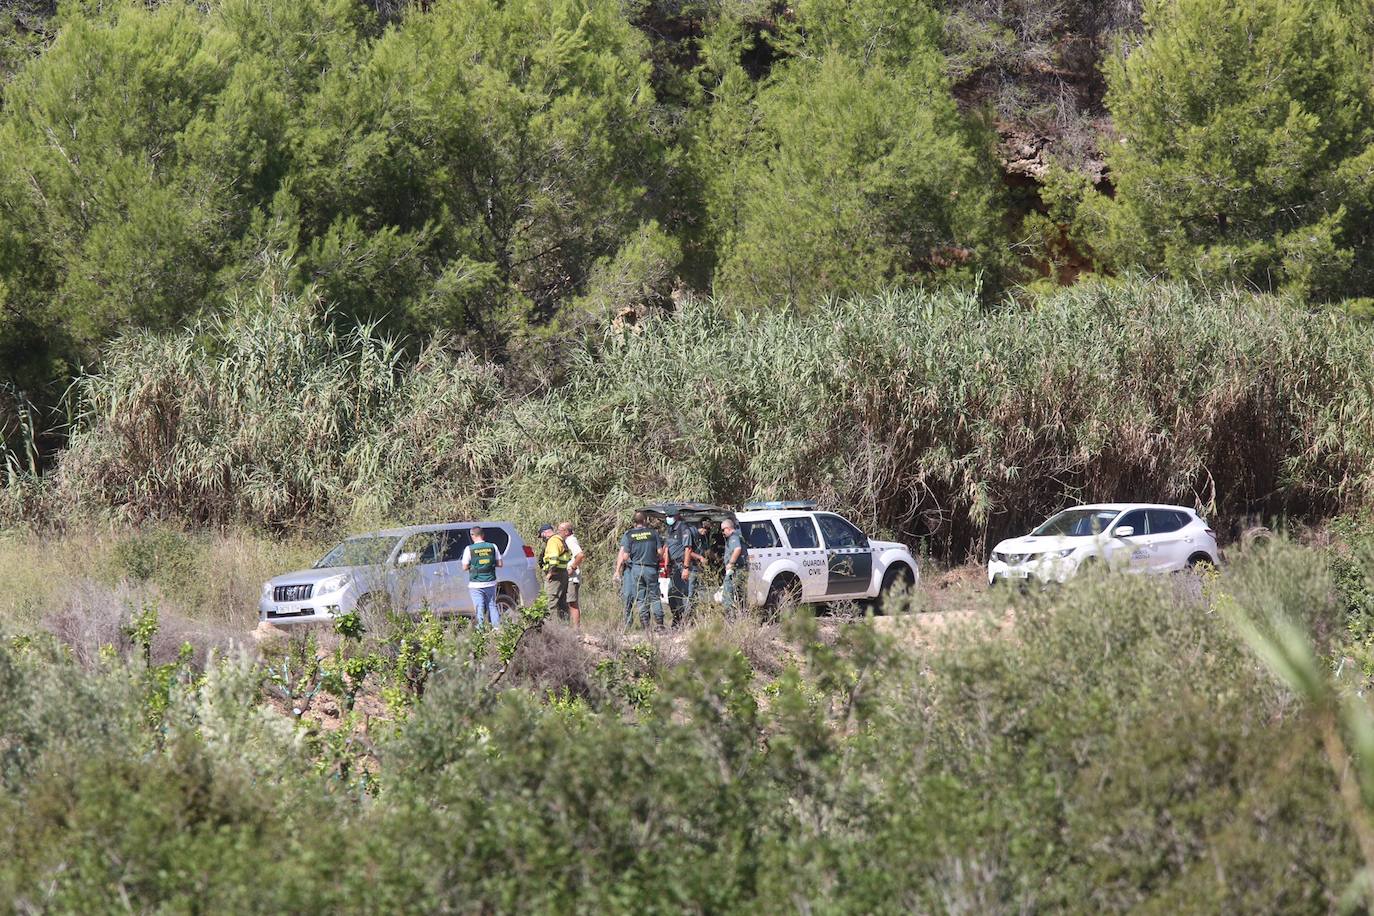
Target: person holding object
681 544
481 560
701 557
735 589
565 531
641 550
556 560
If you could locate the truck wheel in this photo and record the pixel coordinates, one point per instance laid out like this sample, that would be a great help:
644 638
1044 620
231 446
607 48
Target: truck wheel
784 594
507 605
898 581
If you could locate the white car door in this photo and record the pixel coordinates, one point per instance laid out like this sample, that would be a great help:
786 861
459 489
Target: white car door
1171 541
804 546
849 558
1133 552
765 545
420 575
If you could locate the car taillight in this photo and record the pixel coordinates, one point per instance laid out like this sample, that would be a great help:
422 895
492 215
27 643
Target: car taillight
529 552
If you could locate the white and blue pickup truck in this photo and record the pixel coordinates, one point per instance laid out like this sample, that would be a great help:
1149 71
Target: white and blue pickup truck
801 555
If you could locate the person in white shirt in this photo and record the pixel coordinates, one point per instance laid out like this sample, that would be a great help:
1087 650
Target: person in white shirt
574 571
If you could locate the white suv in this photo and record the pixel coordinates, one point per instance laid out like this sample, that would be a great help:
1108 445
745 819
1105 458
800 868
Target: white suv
1135 537
408 569
798 554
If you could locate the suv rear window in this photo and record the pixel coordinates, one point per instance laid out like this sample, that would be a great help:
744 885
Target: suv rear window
459 540
759 535
800 531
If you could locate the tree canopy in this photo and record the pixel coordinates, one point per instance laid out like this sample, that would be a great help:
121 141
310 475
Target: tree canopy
1245 149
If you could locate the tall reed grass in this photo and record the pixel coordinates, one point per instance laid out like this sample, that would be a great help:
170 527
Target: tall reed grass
925 415
275 416
931 416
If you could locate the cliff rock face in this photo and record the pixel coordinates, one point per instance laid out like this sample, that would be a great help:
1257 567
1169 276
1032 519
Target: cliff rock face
1037 66
1026 155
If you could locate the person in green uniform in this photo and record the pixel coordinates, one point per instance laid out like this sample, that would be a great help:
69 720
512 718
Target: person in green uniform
481 559
735 589
681 541
641 549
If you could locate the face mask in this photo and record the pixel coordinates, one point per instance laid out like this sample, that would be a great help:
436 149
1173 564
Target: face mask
672 519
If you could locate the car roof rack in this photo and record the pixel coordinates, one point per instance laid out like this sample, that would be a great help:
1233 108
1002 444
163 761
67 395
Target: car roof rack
689 511
804 505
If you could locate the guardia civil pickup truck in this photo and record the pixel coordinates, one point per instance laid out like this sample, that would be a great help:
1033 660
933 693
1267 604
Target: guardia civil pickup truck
798 554
801 555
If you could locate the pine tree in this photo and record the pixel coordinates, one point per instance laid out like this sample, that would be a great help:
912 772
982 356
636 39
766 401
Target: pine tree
1245 147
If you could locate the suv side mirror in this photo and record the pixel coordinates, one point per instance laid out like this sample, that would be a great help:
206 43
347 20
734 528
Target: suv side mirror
408 558
1124 531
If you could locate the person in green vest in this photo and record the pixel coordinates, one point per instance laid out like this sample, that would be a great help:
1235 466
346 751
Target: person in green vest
557 557
641 550
481 560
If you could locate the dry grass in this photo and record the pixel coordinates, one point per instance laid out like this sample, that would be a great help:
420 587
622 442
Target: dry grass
210 581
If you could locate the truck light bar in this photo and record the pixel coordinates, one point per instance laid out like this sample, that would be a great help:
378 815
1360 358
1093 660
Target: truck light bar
804 505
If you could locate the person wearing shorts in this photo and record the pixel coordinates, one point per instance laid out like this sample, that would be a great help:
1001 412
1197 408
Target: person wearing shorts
574 571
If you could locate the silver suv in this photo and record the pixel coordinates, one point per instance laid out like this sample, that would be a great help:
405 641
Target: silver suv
408 569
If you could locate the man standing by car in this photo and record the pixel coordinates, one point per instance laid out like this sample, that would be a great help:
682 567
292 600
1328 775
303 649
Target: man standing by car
565 531
556 560
481 559
681 545
734 589
641 549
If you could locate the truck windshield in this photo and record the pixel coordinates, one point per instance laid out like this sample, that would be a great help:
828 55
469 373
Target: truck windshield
1075 523
363 551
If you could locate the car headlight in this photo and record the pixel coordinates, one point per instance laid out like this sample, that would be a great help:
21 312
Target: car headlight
267 590
332 584
998 558
1057 554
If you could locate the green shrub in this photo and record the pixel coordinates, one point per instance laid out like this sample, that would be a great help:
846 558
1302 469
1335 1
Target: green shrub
159 554
275 417
1116 749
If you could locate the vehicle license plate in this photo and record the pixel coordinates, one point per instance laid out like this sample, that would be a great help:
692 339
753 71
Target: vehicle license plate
1017 574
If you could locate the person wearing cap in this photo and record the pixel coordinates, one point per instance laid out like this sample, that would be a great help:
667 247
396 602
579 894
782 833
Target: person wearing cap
736 565
555 562
481 559
641 550
681 543
565 531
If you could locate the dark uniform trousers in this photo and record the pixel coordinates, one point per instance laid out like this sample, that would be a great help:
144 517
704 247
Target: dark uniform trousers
679 592
641 588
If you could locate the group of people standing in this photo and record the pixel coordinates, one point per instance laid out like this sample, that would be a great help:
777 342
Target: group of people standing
681 548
